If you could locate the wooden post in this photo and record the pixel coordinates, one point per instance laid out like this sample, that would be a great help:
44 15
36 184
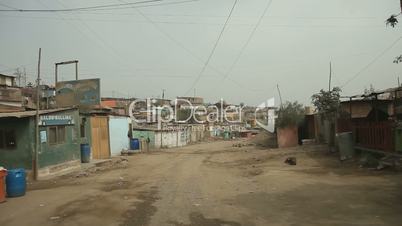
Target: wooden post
330 76
35 163
55 74
76 70
350 107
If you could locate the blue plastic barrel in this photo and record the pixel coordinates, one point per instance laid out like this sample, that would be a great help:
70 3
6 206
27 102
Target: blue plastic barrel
15 182
85 153
134 144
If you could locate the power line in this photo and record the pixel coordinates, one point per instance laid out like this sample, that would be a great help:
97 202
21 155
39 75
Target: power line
141 6
248 40
4 5
278 17
372 62
186 49
191 22
213 49
103 44
110 6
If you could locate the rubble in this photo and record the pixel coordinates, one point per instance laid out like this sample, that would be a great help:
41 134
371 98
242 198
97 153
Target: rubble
55 218
291 161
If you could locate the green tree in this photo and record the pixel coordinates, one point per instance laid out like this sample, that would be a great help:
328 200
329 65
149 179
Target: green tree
327 102
290 114
393 19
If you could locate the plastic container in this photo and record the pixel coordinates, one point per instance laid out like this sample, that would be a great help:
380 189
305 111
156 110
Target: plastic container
134 144
85 153
3 174
226 135
346 145
16 182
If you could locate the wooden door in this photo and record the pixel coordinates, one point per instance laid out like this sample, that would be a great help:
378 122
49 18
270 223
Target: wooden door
100 138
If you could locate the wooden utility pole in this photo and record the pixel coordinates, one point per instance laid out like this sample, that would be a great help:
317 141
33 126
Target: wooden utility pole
280 96
76 70
35 162
330 76
25 77
55 74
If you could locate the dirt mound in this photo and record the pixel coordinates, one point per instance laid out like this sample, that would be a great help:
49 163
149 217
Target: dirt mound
265 139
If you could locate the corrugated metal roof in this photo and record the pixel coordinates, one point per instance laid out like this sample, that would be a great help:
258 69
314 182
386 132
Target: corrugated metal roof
10 76
382 94
24 114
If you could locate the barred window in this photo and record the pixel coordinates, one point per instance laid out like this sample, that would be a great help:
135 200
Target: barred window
57 134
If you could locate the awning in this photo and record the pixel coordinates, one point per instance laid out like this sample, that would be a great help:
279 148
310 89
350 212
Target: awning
25 114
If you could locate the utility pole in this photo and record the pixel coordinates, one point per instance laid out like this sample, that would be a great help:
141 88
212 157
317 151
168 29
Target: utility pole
163 94
17 73
280 96
76 70
55 74
25 77
21 76
35 159
399 84
330 76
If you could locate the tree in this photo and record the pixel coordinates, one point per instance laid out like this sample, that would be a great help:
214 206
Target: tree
290 114
327 102
398 59
392 20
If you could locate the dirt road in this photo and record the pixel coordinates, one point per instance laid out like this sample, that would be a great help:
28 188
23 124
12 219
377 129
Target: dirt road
215 184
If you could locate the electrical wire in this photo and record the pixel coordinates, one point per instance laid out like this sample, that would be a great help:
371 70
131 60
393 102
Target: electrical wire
4 5
188 50
110 6
103 44
250 37
140 6
213 49
372 62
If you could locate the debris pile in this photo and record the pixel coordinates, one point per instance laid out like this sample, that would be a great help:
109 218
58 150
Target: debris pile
239 145
291 161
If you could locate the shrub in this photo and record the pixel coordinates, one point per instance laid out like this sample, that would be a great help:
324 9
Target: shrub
290 114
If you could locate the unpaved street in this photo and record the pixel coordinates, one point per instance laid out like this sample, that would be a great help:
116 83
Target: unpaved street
215 184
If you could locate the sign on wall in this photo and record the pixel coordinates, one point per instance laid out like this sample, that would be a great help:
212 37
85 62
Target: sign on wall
43 136
53 120
78 93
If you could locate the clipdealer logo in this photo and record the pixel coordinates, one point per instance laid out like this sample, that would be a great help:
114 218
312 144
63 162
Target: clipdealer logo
151 112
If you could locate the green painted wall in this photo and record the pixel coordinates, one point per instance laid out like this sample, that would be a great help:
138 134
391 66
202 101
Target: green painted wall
68 151
21 156
145 134
49 154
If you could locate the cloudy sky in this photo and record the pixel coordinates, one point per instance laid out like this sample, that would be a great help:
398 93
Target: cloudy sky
138 52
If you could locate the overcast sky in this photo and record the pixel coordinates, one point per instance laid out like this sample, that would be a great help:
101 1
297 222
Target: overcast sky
137 52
